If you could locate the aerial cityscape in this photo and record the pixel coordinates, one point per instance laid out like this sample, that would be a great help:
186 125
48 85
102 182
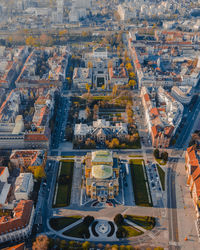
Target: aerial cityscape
100 124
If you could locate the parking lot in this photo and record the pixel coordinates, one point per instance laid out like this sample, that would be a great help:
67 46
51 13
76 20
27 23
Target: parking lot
155 185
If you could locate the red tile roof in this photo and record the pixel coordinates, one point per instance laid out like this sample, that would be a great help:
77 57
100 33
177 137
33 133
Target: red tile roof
154 131
20 246
192 156
2 170
146 97
22 213
154 111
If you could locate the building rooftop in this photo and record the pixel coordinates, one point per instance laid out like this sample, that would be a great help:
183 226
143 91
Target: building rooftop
20 219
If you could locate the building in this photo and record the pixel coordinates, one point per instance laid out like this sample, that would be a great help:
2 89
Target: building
118 75
192 160
163 115
4 186
81 77
23 186
101 175
10 64
164 65
100 131
182 94
20 246
27 158
18 226
52 73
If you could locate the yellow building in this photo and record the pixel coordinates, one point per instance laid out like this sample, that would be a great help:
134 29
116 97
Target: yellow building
101 175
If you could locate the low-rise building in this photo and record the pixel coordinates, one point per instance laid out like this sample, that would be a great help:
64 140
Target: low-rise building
81 77
4 185
27 158
19 226
53 69
100 131
163 115
192 160
23 186
182 94
118 75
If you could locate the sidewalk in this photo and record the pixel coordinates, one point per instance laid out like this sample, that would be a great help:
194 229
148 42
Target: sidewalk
186 211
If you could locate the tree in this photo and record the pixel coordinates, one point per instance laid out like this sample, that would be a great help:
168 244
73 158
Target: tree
88 112
88 220
87 86
119 219
63 244
131 75
39 172
121 233
31 41
164 156
132 83
114 143
86 245
156 153
90 65
129 67
114 90
41 243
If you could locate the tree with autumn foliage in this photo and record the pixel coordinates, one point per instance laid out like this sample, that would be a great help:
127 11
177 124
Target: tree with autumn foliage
41 243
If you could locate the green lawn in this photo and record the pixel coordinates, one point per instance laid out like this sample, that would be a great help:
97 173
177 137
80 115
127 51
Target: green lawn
161 173
64 190
146 222
62 222
132 231
139 183
79 231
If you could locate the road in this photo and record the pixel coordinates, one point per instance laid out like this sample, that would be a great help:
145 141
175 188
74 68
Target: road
172 208
189 126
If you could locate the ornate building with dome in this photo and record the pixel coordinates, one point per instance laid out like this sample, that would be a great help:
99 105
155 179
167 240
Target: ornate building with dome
101 175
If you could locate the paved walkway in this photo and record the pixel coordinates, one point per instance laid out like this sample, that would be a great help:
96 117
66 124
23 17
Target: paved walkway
76 184
135 225
70 226
102 236
186 211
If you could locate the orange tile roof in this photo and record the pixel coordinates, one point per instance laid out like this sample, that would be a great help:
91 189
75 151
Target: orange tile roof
197 184
20 246
154 131
146 97
154 111
192 156
2 170
22 213
168 130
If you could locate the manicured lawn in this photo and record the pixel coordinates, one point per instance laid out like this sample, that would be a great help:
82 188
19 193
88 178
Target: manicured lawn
64 189
139 183
131 231
161 173
62 222
146 222
80 231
